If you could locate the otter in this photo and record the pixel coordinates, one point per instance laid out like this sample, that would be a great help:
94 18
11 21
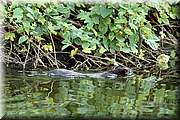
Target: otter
120 71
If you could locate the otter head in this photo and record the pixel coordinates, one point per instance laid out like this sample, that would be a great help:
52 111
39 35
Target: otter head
122 71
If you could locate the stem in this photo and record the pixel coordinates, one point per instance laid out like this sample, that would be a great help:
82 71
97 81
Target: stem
54 51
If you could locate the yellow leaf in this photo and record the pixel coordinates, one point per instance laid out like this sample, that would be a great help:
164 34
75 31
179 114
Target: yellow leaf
163 59
50 48
74 52
102 50
95 33
45 47
87 50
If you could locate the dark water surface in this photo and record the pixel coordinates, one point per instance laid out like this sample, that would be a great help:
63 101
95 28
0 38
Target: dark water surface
132 97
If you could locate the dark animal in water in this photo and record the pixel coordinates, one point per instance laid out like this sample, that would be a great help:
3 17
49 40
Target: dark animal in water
124 71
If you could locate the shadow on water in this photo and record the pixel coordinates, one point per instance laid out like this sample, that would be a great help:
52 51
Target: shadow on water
132 97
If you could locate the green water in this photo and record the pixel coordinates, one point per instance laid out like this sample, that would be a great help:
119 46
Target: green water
132 97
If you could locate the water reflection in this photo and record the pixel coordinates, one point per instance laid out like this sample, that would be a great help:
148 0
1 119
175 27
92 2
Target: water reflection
133 97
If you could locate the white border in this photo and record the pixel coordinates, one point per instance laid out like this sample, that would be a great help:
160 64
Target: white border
54 1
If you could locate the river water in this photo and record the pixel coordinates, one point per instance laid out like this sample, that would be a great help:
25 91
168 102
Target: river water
131 97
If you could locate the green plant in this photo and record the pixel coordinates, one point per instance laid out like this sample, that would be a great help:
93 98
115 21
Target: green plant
42 29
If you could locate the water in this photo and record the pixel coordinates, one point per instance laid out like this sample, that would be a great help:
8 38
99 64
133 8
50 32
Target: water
132 97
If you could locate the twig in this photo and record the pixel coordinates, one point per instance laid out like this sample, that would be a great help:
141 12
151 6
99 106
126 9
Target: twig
50 60
24 64
54 51
126 59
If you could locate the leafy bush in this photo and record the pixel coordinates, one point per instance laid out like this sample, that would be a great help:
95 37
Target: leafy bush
95 29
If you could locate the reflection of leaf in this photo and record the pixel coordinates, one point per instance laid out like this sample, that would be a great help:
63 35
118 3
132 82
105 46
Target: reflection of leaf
50 100
82 110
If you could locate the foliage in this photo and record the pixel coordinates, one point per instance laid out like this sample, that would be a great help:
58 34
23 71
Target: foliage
92 29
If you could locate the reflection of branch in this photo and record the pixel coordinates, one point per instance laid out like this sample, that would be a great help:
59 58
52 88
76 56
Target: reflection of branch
52 84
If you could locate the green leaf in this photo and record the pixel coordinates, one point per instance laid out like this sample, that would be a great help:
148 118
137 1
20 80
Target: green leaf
106 43
128 31
27 26
83 15
22 39
90 25
111 36
126 48
120 20
38 38
133 26
102 50
152 42
104 12
164 18
94 31
93 47
51 28
173 54
85 45
18 14
95 19
30 10
62 9
30 16
163 59
42 20
103 28
65 46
